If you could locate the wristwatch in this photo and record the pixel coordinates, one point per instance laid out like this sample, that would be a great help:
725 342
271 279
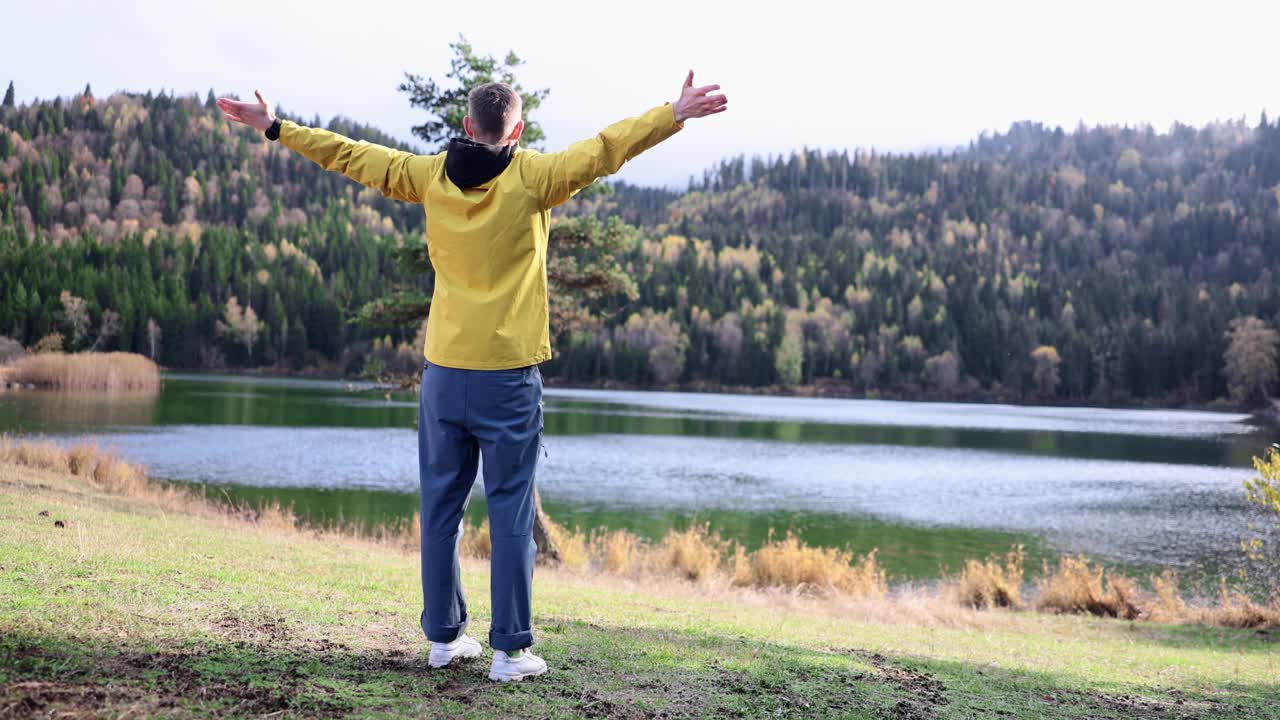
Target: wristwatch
273 132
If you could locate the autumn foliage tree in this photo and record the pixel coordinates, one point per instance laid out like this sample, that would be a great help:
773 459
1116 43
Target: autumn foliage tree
1251 366
240 324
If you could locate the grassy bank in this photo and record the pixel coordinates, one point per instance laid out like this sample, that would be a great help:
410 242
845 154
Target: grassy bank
105 372
143 605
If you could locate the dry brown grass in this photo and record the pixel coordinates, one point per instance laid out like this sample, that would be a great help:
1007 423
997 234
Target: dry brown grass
1078 587
475 540
1166 604
694 553
1237 610
101 372
39 455
617 551
991 583
790 563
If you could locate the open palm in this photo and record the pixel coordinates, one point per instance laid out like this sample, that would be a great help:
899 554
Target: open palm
256 115
696 102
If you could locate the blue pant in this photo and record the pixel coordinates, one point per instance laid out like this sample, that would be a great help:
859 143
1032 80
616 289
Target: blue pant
464 415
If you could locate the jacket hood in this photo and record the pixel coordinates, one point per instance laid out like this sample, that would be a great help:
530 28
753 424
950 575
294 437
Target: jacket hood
469 163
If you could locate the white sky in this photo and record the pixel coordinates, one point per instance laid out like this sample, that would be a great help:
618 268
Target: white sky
895 75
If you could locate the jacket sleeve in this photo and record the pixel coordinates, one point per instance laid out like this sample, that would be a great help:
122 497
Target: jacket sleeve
555 177
395 173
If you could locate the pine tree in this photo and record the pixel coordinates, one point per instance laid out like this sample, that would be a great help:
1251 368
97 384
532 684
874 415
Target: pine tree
8 96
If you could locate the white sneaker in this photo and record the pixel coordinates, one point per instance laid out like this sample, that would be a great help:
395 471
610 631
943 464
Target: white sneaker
444 653
505 668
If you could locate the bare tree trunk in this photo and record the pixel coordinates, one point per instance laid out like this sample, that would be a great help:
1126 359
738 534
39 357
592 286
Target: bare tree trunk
548 551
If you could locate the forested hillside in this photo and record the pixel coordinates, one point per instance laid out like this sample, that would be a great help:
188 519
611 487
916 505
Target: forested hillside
177 236
1104 264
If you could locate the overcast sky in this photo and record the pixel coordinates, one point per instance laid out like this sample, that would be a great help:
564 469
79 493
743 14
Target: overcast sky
895 75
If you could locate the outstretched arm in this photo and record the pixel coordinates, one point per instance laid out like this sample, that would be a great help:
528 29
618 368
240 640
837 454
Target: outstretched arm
555 177
395 173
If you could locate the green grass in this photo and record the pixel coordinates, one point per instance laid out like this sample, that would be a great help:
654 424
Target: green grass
134 611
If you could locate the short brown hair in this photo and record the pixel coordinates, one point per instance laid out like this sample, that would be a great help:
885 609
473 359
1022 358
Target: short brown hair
494 108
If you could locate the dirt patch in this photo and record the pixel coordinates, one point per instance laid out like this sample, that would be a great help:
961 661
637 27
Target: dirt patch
1177 706
256 632
924 693
129 683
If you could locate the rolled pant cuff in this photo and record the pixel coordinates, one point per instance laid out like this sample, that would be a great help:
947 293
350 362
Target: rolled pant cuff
446 633
508 643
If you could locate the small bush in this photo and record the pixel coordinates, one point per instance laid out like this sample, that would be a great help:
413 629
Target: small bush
51 343
1263 492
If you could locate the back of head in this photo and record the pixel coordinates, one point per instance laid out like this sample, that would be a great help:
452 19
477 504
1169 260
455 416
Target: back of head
494 109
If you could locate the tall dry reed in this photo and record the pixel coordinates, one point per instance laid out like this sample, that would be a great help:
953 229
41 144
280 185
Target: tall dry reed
100 372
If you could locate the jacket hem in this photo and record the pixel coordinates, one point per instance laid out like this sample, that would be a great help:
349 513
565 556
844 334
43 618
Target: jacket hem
459 364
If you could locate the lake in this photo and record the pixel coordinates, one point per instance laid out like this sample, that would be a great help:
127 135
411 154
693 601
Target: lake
929 484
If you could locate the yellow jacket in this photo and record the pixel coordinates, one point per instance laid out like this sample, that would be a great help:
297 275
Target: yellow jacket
488 244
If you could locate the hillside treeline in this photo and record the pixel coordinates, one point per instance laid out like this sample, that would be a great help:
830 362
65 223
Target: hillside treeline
1104 264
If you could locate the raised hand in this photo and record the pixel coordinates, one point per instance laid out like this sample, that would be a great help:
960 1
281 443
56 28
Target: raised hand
695 102
256 115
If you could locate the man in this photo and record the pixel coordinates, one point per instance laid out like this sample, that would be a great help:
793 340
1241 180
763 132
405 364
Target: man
488 205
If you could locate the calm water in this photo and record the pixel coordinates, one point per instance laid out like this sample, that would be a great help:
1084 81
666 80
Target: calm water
928 483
